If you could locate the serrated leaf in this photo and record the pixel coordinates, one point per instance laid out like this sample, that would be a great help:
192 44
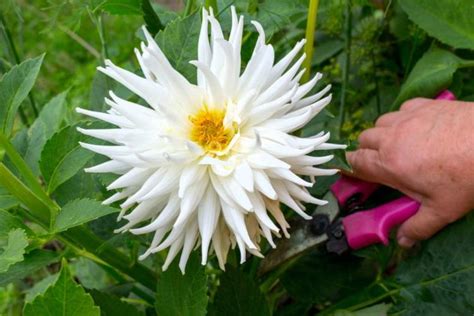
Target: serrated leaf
79 212
431 74
62 156
450 21
178 41
238 295
9 222
111 305
47 123
120 7
40 287
64 297
14 250
34 260
14 88
152 21
183 295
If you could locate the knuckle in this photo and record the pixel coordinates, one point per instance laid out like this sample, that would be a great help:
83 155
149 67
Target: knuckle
412 103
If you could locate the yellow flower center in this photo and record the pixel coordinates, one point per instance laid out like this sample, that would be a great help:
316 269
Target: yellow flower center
208 130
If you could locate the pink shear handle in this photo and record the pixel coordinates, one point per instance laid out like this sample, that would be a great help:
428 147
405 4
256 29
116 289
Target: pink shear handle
346 188
373 226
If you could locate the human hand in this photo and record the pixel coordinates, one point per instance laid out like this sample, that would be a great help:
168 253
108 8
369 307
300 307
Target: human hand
426 151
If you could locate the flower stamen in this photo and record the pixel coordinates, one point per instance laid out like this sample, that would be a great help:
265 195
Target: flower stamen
208 130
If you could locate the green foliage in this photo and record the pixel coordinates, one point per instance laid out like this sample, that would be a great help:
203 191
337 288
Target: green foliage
111 305
178 41
398 50
43 128
14 250
440 278
182 294
432 73
14 88
120 7
63 297
152 20
446 20
62 156
79 212
238 295
32 262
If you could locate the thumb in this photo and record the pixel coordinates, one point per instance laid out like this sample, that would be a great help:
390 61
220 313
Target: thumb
424 224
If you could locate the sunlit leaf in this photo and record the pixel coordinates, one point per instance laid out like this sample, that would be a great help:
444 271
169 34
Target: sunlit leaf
431 74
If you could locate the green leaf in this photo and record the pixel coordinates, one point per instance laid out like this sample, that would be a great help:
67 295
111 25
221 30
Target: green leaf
181 295
79 212
33 261
9 222
120 7
43 128
152 21
275 15
178 41
431 74
7 200
238 295
14 250
450 21
62 156
111 305
320 278
14 88
40 287
376 310
440 279
64 297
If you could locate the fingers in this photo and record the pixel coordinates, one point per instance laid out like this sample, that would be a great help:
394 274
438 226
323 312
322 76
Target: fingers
414 104
388 119
366 165
424 224
371 138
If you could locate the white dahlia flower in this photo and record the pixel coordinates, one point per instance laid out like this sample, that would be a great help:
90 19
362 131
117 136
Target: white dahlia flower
209 164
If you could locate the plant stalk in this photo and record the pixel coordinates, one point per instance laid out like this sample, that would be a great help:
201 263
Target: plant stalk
347 62
310 31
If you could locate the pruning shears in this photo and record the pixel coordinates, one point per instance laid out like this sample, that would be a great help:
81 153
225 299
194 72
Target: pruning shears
343 224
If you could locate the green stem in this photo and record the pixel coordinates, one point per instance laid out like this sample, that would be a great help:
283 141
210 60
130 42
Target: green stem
28 176
38 209
100 28
211 4
310 31
347 62
189 7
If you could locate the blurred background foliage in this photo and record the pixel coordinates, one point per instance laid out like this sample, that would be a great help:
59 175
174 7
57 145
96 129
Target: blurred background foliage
375 53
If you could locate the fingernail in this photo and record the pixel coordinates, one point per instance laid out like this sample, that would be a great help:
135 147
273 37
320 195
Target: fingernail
405 242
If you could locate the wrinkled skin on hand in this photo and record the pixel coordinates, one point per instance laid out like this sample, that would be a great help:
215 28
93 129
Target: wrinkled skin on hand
425 150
